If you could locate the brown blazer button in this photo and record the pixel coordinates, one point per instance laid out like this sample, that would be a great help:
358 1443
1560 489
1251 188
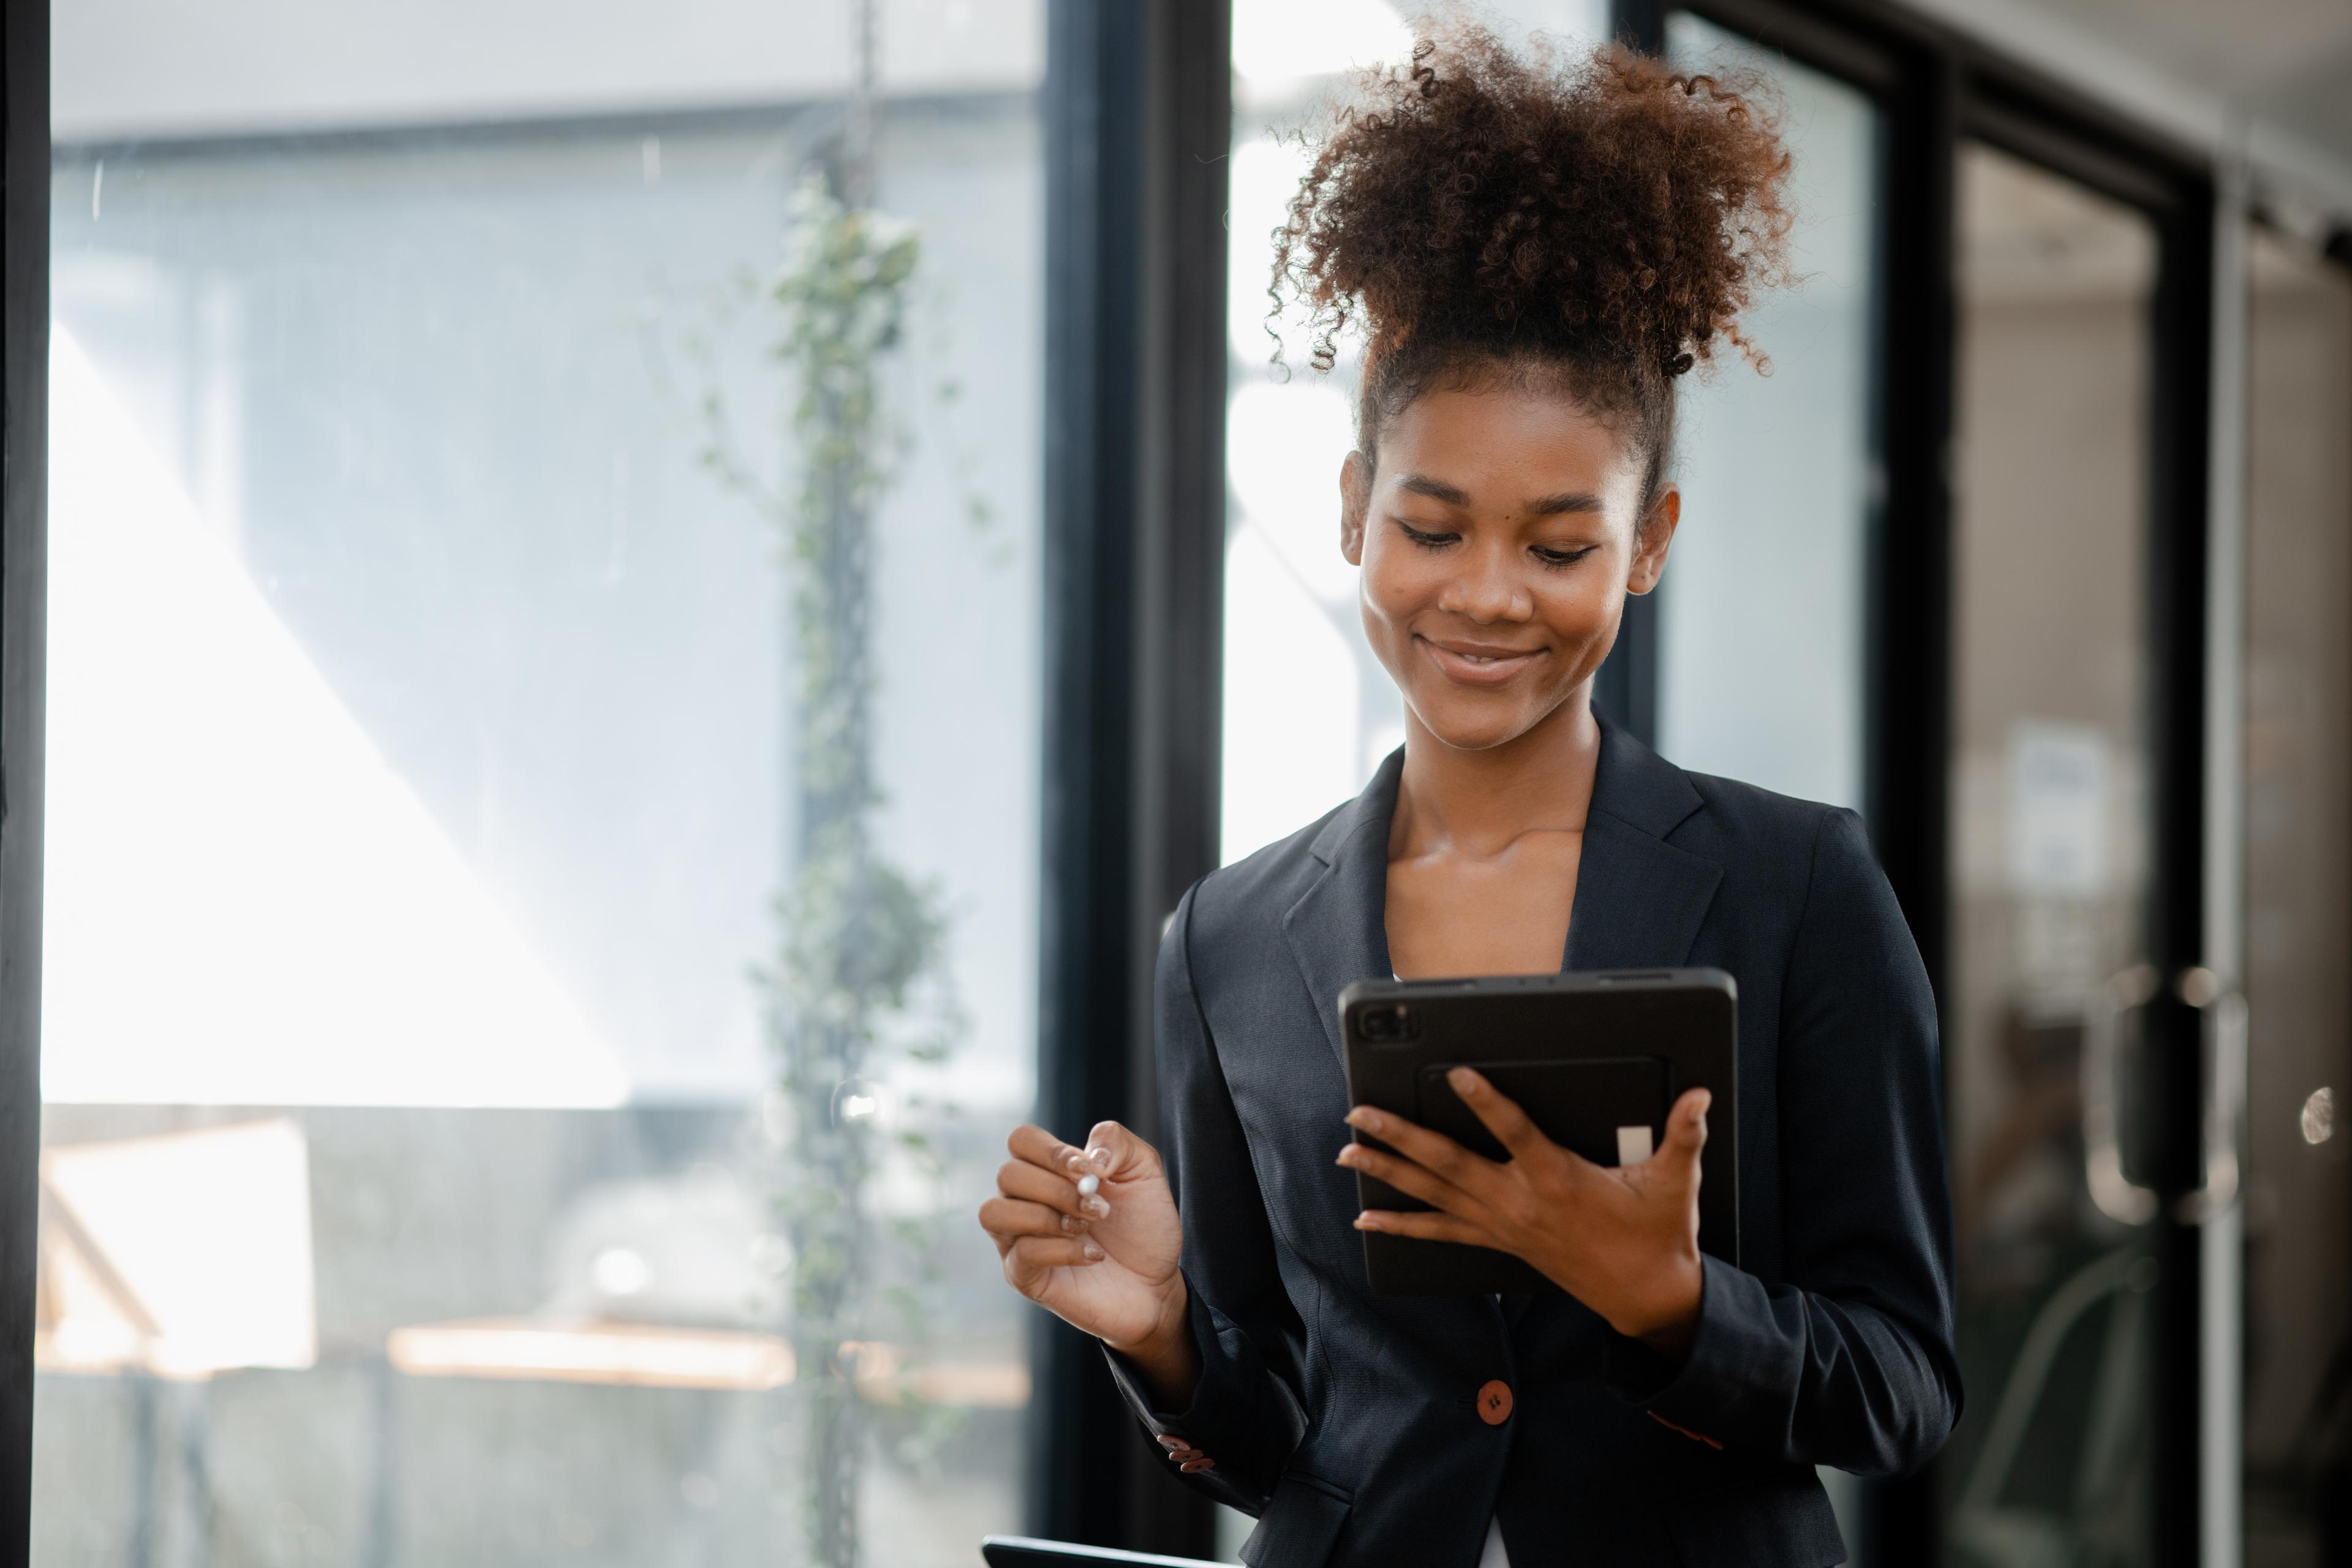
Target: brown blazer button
1494 1402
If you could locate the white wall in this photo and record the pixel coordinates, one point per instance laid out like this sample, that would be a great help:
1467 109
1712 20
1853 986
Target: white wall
123 68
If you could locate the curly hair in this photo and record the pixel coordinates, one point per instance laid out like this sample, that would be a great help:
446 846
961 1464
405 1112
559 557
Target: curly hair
1598 225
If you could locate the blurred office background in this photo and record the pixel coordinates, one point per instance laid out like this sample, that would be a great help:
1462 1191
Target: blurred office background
448 1112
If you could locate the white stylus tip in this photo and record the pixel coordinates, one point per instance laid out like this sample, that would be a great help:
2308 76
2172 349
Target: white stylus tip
1089 1183
1633 1145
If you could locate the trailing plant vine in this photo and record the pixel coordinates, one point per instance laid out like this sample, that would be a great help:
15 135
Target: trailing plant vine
859 978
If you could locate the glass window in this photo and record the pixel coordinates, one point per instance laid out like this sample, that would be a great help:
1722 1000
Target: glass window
529 1002
2049 860
1760 661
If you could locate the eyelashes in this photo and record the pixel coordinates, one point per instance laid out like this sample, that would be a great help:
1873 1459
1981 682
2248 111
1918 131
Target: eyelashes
1555 559
1564 557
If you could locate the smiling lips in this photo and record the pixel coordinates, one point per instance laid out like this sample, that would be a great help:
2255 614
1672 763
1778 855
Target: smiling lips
1478 664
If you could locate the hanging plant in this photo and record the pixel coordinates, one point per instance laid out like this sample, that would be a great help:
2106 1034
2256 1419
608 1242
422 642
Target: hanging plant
860 978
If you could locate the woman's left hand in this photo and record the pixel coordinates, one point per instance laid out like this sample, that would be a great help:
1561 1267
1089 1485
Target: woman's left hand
1623 1240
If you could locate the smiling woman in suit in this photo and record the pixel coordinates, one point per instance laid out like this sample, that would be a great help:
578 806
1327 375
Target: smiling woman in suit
1537 252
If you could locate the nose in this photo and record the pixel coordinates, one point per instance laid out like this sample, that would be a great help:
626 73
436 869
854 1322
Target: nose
1488 588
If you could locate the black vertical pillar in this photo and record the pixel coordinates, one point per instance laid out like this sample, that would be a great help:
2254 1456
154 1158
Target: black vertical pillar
1139 121
24 490
1908 680
1626 689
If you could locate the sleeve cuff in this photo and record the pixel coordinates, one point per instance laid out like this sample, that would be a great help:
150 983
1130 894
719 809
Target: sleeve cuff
1229 1418
1700 1391
1219 1404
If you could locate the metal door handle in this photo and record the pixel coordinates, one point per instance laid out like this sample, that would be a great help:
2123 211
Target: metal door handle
2221 1014
2119 1197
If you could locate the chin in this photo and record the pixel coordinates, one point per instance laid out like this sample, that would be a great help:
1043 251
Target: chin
1474 726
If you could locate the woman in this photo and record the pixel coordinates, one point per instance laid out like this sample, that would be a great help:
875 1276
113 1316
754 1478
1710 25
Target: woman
1537 255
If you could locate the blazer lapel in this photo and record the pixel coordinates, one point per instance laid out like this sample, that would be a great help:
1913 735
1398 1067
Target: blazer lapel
1639 899
1338 929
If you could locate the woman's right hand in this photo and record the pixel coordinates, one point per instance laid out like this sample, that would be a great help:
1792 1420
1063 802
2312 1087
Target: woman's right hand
1105 1263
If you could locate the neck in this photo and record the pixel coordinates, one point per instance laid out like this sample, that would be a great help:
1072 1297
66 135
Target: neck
1478 802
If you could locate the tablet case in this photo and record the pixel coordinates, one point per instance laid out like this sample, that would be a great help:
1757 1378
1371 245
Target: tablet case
1027 1552
1596 1059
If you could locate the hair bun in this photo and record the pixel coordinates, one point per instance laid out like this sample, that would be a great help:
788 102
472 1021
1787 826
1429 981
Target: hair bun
1605 211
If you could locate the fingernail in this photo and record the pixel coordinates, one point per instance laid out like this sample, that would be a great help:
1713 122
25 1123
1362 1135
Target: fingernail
1366 1222
1094 1254
1100 1156
1463 1079
1073 1225
1095 1209
1348 1155
1366 1117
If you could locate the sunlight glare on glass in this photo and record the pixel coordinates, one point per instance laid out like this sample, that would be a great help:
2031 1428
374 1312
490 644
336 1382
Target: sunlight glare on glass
1283 41
621 1272
1292 689
1265 175
202 1238
246 904
1284 446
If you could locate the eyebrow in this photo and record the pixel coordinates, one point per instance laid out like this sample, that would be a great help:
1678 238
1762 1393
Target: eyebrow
1549 506
1435 489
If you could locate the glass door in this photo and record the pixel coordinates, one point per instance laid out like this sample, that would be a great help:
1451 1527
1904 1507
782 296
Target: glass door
2064 1038
2298 752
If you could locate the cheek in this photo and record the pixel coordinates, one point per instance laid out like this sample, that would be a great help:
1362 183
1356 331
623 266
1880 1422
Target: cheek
1397 580
1581 611
1579 600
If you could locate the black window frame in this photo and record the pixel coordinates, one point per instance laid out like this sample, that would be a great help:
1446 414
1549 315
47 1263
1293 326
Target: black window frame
24 540
1139 123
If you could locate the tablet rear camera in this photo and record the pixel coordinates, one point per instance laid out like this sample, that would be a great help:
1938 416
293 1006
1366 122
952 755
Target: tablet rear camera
1390 1025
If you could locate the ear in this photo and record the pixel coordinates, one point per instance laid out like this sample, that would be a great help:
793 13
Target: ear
1355 503
1652 539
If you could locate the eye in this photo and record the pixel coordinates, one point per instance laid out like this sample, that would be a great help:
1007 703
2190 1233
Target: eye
1427 539
1568 557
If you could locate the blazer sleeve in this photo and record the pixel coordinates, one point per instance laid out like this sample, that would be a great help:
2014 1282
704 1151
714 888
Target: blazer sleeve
1850 1362
1246 1414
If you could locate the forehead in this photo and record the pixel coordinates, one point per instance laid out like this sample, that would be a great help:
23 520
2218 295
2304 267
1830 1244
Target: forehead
1502 445
1506 450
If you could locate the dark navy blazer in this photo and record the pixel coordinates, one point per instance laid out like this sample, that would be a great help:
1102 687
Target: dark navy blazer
1347 1423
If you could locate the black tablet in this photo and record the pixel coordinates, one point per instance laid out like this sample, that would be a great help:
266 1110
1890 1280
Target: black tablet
1022 1552
1595 1058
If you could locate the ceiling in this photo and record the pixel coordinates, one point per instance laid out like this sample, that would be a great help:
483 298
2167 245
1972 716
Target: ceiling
2288 59
2275 75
